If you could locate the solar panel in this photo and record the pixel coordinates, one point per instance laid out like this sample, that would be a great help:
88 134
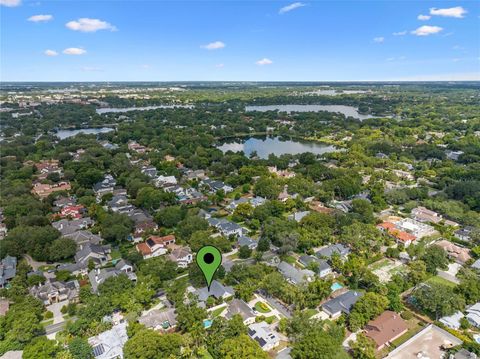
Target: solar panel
98 350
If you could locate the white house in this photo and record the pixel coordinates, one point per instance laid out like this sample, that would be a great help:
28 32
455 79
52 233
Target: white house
473 315
264 335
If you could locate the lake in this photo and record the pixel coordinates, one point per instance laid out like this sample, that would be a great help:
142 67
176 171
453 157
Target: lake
63 134
346 110
267 145
146 108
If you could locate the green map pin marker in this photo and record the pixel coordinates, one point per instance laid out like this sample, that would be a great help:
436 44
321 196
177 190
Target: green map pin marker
209 259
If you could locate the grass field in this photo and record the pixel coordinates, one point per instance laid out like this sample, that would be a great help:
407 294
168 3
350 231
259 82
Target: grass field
440 280
217 311
262 307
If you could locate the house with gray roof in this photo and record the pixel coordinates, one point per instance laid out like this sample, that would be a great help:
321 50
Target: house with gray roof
84 237
215 186
65 226
98 276
8 270
246 241
109 344
238 306
328 251
452 321
473 315
226 227
159 319
55 291
324 268
298 216
294 275
97 253
217 290
341 304
105 186
476 264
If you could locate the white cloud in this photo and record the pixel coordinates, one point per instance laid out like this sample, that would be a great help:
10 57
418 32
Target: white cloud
423 17
264 61
50 53
456 59
456 11
426 30
74 51
89 25
219 66
10 3
214 45
400 33
379 39
40 18
145 66
291 7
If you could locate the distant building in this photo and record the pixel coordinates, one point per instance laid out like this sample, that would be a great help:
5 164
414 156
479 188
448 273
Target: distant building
54 291
464 234
454 251
329 251
298 216
159 319
44 190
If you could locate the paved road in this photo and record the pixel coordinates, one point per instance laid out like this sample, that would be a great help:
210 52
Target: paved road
53 328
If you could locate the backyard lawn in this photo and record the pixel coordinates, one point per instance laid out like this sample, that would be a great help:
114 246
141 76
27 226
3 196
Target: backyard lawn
217 311
440 280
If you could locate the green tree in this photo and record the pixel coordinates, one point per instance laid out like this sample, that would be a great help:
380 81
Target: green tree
363 347
244 252
241 347
435 257
40 348
62 248
366 308
80 349
149 344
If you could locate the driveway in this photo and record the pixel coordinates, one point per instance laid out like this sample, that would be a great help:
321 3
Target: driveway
55 308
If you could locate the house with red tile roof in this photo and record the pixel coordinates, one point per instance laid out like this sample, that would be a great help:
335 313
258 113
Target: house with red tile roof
155 246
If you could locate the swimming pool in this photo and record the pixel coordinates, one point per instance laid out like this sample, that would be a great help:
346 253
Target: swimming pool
336 286
207 323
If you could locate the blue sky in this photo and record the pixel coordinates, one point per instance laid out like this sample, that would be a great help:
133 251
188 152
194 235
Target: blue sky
239 40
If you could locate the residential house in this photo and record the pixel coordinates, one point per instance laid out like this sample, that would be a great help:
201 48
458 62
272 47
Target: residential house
263 335
454 251
329 251
424 215
400 236
98 254
341 304
124 266
226 227
253 201
464 234
476 264
73 211
452 321
387 327
217 290
159 319
43 190
65 226
119 203
64 201
105 186
149 171
238 306
453 155
465 354
298 216
143 222
281 173
246 241
155 246
294 275
215 186
195 175
182 256
320 207
8 270
109 344
473 315
99 276
416 228
165 181
136 147
54 291
324 268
